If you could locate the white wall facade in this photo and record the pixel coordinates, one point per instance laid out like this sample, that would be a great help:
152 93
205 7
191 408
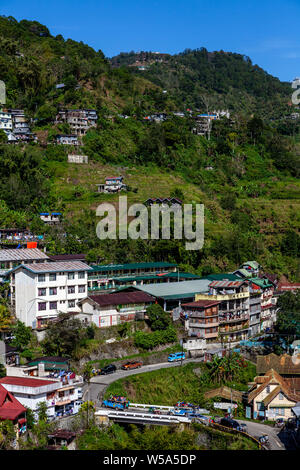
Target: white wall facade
43 298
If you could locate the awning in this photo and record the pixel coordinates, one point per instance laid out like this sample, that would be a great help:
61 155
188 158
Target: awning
65 388
62 403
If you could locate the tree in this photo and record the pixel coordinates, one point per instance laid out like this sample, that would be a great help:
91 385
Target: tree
2 370
63 336
6 318
3 137
22 335
158 318
42 411
7 435
288 316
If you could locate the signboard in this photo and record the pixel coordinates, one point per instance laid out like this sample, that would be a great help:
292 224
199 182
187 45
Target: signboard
225 406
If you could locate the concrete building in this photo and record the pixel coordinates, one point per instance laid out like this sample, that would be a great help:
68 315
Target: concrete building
62 396
112 309
41 291
11 258
233 308
202 319
78 159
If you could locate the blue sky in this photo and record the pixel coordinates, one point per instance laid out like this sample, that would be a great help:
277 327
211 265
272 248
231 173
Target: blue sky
267 31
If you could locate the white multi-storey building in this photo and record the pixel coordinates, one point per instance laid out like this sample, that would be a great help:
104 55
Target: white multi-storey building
61 397
6 122
42 290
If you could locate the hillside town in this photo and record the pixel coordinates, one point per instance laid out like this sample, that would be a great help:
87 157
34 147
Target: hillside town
149 231
219 314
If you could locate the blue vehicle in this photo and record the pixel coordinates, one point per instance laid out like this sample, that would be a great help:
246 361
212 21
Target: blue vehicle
120 403
178 356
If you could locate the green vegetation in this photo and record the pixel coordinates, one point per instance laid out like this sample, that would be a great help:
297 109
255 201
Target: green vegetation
187 382
251 194
288 317
157 438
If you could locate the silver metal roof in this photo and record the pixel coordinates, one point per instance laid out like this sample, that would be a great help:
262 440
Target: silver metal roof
169 289
59 266
22 254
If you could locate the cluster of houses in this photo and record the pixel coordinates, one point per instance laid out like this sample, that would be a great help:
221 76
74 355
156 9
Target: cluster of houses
16 126
79 121
219 308
216 310
45 380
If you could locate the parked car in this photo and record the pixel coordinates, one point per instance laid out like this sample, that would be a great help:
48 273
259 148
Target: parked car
178 356
243 427
279 423
109 369
230 423
132 365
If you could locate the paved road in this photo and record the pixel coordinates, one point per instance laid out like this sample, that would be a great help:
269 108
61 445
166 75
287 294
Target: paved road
99 384
258 429
278 439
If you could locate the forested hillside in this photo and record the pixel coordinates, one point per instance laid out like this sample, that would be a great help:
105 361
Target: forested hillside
247 174
221 80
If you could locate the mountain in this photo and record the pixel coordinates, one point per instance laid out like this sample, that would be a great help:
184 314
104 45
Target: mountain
199 79
246 174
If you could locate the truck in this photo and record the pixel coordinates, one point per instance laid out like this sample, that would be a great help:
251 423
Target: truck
178 356
117 402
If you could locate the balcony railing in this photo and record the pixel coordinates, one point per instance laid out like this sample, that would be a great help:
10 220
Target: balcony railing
235 318
234 329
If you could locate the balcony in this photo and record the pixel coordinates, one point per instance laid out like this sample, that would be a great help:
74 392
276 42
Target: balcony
195 324
234 329
239 295
234 319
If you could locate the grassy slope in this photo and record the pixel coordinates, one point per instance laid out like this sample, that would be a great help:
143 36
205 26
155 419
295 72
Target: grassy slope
274 213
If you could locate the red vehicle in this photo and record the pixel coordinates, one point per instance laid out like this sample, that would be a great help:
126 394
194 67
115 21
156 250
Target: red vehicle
132 365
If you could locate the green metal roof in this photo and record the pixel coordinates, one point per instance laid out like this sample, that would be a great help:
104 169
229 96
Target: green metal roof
222 276
261 282
244 272
121 267
253 264
156 276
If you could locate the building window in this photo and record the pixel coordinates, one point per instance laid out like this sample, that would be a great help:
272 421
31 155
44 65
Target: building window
53 305
42 292
53 291
71 290
71 276
42 306
71 304
281 396
268 389
81 289
52 277
81 275
41 278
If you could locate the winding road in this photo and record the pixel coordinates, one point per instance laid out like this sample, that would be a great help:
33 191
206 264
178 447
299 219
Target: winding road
278 439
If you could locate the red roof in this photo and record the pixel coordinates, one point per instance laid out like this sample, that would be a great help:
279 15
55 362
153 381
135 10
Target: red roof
26 381
10 407
202 303
121 298
288 286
